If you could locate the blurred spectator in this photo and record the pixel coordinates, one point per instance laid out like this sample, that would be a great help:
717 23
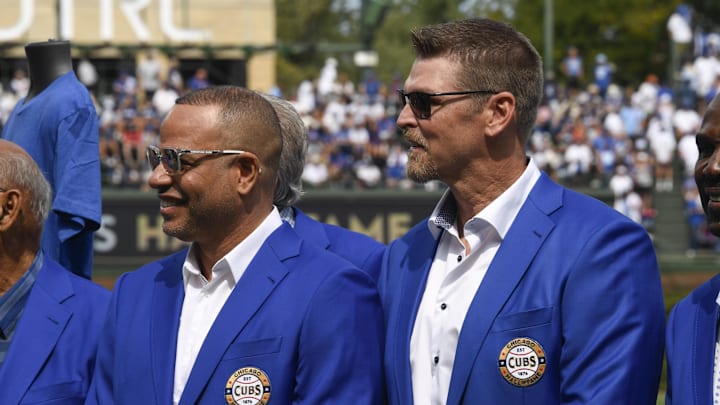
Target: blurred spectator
686 123
705 68
174 76
603 73
326 81
124 88
344 85
647 94
20 83
578 159
88 75
315 174
148 73
643 175
367 172
305 103
626 200
275 91
550 87
371 85
396 164
7 102
572 67
632 116
199 80
634 207
164 98
605 146
662 144
679 26
133 146
358 134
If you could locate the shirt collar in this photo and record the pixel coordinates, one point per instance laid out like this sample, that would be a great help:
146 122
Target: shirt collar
238 259
13 301
288 215
500 213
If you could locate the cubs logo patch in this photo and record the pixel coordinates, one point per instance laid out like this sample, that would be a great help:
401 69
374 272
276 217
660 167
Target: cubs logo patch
248 386
522 362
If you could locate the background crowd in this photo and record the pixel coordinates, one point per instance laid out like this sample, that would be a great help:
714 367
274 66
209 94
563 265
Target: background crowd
591 132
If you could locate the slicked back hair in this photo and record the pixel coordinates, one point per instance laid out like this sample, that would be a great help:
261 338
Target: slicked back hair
289 189
492 56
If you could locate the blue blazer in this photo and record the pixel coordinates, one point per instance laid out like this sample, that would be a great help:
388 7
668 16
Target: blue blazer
307 320
52 354
573 279
690 343
359 249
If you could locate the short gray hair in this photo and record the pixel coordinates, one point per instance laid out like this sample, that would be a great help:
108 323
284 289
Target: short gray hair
22 172
289 188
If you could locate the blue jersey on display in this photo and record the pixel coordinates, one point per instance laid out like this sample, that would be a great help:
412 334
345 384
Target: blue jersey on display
59 129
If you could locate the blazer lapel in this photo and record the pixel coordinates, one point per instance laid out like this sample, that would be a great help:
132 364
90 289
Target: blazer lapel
261 277
311 230
704 353
529 230
167 304
413 286
43 321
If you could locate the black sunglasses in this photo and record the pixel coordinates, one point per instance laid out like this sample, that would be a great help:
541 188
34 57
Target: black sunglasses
420 102
171 157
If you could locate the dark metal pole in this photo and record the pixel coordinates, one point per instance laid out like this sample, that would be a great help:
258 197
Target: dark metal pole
549 36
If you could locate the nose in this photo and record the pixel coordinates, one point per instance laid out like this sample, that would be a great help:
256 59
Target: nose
711 164
159 177
406 118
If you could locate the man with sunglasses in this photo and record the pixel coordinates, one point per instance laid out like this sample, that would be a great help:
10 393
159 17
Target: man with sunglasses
50 318
249 313
515 289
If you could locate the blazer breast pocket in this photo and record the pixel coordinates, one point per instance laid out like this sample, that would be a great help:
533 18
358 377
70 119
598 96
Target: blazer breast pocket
73 392
523 320
251 348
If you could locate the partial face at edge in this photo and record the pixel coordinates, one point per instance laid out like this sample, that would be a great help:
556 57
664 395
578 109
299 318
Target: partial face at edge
707 168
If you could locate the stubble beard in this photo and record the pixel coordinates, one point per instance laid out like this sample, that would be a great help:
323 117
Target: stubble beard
178 231
421 168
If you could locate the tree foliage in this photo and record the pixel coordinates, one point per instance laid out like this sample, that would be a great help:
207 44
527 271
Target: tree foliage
632 33
305 32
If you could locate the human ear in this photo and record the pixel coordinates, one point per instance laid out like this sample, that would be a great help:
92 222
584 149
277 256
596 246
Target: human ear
10 202
249 170
502 112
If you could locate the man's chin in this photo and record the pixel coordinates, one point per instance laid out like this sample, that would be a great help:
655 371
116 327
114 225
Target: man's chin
417 179
174 232
421 177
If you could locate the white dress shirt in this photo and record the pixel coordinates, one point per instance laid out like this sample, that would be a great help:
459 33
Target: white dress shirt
204 299
454 278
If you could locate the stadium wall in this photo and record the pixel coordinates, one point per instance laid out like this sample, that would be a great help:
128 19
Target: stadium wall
131 233
218 29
